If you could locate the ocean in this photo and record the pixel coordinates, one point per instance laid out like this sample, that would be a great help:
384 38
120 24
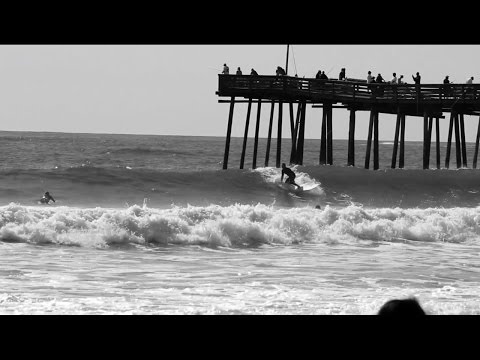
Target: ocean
146 224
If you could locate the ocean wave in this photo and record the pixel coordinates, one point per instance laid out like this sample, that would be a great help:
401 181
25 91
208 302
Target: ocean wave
234 226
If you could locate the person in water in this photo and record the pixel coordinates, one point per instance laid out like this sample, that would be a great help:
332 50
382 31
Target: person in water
290 176
46 198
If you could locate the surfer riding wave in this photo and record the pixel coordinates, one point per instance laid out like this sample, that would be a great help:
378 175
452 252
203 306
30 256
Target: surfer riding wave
290 176
46 198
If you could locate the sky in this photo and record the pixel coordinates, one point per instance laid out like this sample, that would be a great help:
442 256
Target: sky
170 89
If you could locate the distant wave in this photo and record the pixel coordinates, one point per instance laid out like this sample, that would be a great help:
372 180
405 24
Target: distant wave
235 226
139 150
338 186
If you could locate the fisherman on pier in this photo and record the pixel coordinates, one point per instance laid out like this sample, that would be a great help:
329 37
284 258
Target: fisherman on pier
226 70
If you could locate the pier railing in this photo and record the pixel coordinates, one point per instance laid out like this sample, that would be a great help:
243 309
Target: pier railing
347 92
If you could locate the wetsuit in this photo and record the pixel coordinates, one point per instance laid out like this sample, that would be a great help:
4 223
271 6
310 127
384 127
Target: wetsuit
290 174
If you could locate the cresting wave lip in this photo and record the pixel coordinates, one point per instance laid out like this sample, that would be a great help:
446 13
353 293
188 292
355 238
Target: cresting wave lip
234 226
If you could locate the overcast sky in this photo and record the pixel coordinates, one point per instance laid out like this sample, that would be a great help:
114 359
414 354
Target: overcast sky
170 89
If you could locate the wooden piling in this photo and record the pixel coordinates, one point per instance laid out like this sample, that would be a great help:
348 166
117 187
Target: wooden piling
301 134
279 135
369 141
464 145
323 138
257 130
351 139
425 135
269 139
477 141
229 132
395 140
329 135
437 134
457 142
293 153
449 142
401 160
245 135
375 142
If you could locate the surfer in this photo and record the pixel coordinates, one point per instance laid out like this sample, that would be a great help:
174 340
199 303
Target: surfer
290 176
46 198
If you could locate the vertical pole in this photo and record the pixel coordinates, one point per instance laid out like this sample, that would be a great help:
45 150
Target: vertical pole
292 131
257 130
375 142
401 160
245 135
369 141
425 134
323 139
437 134
351 139
449 142
395 141
464 145
269 139
429 140
301 135
457 142
293 154
477 141
229 131
279 134
286 66
329 135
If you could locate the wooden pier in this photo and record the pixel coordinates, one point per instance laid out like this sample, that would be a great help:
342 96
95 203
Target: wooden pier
429 101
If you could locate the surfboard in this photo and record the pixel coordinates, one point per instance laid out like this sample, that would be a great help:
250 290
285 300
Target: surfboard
308 187
302 188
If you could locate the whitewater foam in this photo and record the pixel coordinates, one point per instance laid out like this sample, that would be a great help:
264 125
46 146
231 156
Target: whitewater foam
234 226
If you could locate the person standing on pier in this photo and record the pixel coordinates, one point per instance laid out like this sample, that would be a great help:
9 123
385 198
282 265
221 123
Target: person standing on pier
323 76
469 88
370 78
253 73
417 79
341 76
318 75
239 71
226 70
400 80
394 79
446 86
280 71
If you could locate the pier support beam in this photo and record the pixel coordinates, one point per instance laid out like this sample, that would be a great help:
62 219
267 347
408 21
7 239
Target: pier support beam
257 130
293 153
301 134
401 160
449 142
229 132
395 140
245 135
372 128
323 138
437 134
269 138
369 141
279 135
457 142
375 142
351 139
477 141
464 145
329 135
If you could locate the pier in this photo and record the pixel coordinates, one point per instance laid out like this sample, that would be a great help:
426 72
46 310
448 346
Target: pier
430 101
